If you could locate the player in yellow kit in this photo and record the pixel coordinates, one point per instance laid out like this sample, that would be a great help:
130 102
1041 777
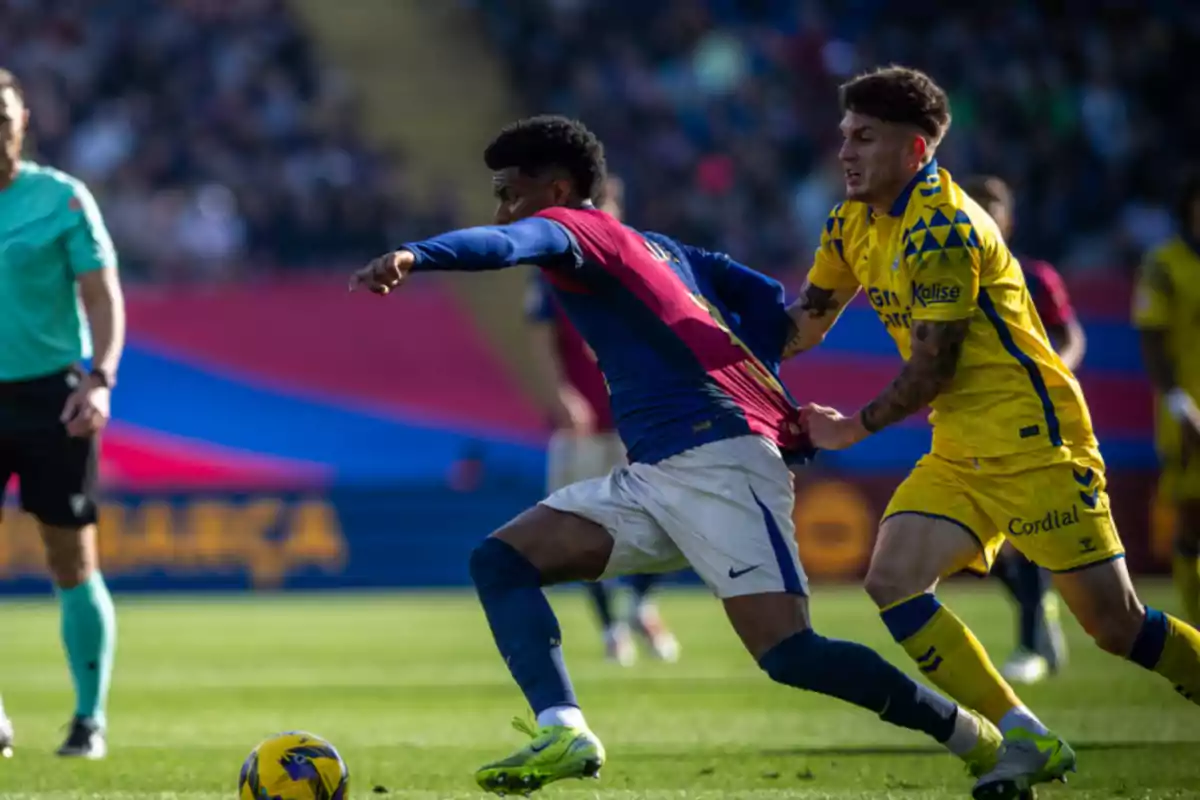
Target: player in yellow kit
1167 311
1013 451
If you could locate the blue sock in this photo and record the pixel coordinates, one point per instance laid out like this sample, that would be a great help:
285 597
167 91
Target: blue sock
641 586
1148 647
89 633
523 624
601 601
859 675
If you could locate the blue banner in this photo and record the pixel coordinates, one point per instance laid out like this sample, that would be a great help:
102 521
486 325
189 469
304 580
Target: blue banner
346 538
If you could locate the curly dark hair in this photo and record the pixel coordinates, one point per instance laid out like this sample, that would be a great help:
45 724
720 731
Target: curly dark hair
540 144
900 95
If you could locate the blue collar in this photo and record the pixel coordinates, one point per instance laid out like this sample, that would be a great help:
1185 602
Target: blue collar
926 172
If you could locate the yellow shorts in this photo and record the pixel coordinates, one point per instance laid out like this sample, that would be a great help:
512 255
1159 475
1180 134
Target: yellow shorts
1055 511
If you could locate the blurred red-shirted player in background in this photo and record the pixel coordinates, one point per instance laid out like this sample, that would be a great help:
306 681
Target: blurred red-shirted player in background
584 445
1041 648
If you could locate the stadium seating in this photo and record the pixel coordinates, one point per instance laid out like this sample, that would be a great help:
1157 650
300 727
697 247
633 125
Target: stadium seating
212 135
723 113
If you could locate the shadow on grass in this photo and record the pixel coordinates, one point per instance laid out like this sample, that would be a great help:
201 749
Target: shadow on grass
1079 747
1187 748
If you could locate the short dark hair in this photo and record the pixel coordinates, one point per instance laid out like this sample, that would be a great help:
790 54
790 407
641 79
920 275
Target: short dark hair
543 143
9 81
900 95
988 189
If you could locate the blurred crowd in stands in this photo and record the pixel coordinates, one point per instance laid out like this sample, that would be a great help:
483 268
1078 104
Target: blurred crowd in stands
722 114
208 130
215 138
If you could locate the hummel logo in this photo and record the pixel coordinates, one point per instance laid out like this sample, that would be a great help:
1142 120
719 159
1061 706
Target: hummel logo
1084 478
737 573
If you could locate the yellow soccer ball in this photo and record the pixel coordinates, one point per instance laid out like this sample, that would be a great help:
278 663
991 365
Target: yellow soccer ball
294 766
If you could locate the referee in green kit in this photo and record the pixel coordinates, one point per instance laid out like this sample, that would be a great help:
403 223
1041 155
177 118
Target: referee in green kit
56 263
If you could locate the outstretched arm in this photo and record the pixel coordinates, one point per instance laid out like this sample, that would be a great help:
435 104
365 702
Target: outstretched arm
534 241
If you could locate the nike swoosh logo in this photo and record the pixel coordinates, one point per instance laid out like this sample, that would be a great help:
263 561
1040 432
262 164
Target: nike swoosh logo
537 748
737 573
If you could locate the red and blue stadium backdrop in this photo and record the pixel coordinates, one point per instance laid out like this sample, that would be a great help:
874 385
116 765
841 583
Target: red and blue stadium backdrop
295 436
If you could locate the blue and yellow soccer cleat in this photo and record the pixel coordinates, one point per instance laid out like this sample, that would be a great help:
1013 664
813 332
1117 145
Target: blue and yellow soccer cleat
1025 759
555 752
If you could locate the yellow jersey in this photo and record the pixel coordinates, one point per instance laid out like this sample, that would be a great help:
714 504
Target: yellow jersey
936 255
1167 298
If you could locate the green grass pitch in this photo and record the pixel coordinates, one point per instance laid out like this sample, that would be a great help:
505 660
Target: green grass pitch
410 689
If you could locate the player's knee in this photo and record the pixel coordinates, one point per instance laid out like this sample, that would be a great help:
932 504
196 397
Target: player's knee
886 585
70 554
1116 632
496 564
788 661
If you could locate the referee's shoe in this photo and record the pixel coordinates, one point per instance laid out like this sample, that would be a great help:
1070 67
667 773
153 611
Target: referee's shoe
85 740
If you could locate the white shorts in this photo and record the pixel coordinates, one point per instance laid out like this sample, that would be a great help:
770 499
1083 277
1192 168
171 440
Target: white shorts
724 509
570 458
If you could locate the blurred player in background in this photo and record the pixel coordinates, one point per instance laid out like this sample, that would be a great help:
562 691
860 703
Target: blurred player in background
54 253
708 428
1041 645
585 445
1013 452
1167 311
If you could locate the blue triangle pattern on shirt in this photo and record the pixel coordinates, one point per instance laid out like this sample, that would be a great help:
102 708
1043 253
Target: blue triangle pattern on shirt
938 218
954 240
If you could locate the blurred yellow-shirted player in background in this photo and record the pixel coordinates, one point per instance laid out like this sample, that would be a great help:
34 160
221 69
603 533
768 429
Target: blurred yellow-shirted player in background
1013 454
1166 309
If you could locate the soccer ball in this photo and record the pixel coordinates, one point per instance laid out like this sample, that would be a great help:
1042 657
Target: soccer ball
294 766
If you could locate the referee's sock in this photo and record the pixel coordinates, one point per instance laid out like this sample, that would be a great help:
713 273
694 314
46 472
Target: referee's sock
89 633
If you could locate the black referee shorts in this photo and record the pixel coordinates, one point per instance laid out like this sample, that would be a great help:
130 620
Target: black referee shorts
57 471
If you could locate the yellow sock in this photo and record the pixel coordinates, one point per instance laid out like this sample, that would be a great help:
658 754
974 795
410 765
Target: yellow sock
1171 648
1187 581
950 655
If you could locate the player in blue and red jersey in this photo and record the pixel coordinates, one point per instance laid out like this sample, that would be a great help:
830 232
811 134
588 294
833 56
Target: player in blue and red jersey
707 425
1041 645
585 445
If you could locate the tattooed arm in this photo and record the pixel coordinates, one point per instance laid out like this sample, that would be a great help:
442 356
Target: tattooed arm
936 347
812 315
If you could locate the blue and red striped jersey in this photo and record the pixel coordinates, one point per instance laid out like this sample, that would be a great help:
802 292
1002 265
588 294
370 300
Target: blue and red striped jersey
689 341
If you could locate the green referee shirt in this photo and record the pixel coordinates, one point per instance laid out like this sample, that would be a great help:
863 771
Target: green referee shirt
50 234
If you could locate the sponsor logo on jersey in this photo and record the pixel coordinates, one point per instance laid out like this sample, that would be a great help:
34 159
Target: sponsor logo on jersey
1053 521
935 294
